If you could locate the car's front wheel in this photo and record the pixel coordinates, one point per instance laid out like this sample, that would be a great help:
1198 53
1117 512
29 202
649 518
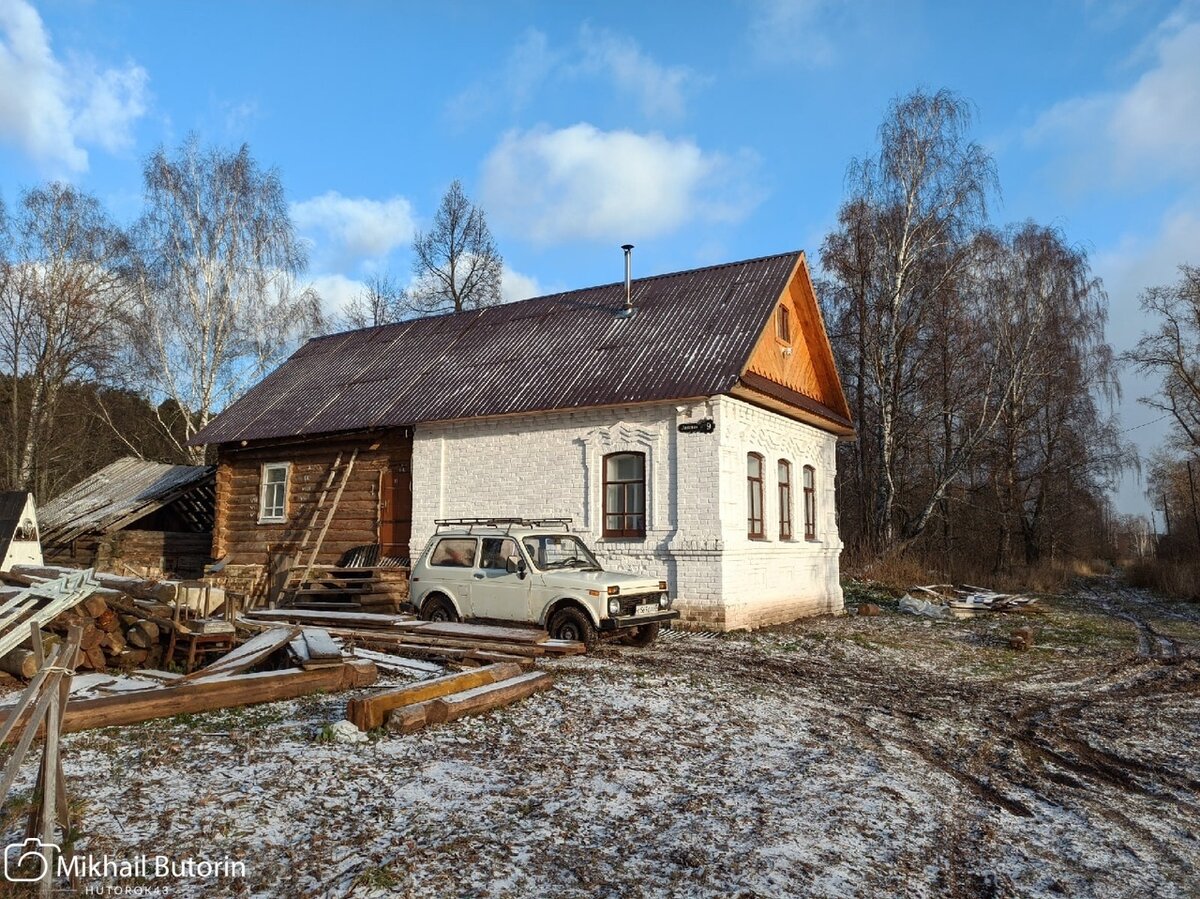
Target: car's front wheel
644 635
438 609
571 624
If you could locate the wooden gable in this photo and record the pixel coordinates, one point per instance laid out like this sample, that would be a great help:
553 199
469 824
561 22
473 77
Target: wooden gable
791 369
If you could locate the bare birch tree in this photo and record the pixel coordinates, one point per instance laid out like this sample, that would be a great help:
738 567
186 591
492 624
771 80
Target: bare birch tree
381 302
1172 351
218 302
917 205
456 264
65 286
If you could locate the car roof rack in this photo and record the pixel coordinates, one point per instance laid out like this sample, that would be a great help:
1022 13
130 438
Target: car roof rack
506 523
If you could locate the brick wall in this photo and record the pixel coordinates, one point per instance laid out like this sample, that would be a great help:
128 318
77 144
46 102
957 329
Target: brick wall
550 465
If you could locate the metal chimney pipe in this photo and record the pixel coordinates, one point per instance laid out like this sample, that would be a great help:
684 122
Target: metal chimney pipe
628 248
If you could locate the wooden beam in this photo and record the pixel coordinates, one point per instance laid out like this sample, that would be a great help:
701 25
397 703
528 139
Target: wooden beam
370 712
479 699
206 696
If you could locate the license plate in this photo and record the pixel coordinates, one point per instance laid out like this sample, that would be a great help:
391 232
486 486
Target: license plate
648 609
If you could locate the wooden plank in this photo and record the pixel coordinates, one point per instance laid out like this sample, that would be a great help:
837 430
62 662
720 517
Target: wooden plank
487 697
363 620
247 655
387 660
459 630
320 644
218 693
370 712
474 701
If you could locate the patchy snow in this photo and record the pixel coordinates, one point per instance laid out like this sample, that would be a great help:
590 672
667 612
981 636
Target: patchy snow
835 757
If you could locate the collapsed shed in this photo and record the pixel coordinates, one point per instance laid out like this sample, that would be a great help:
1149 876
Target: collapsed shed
149 519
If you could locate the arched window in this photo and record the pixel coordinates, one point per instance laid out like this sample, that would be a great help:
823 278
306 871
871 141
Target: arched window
810 503
625 495
785 500
754 496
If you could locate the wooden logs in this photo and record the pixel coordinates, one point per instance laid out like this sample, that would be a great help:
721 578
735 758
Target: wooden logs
369 713
218 693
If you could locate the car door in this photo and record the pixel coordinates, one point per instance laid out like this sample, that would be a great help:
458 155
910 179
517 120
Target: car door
451 563
495 593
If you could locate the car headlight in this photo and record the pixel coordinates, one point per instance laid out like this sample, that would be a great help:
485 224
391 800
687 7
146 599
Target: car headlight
614 607
664 601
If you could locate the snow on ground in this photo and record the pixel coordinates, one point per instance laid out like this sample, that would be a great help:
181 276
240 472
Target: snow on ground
835 757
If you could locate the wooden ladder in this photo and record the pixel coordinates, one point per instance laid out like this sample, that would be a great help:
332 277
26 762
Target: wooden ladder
289 591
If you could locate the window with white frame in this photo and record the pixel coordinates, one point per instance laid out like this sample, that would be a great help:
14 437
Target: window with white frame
272 499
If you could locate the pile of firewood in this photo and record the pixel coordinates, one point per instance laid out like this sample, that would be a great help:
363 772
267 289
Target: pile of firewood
112 637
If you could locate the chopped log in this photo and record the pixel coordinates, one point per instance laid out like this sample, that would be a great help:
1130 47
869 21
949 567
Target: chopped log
20 663
114 643
92 636
108 621
131 658
95 606
369 713
144 634
408 719
223 693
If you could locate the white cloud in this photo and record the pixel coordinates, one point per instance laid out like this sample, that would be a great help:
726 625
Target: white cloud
50 108
1145 133
515 286
661 90
336 292
583 183
794 31
357 227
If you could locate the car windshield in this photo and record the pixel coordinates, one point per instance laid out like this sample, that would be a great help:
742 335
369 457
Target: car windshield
552 551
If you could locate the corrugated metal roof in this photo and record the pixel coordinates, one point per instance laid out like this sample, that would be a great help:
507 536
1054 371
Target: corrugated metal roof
691 336
123 492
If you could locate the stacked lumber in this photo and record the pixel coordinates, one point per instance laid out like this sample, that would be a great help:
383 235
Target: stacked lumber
447 641
446 698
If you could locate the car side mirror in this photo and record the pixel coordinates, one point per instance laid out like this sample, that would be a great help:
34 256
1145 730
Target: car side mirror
515 565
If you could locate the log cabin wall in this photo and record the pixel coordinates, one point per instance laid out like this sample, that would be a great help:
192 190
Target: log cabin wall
256 548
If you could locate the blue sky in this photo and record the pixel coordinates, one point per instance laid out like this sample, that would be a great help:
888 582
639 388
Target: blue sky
701 132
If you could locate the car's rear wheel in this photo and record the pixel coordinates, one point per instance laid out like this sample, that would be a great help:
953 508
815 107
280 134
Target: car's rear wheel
439 609
571 624
644 635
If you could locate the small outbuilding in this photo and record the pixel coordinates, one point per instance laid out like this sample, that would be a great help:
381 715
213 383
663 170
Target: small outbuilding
686 423
149 519
19 544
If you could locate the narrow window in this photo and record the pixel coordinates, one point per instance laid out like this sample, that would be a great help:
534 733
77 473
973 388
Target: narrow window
625 495
783 324
810 503
272 499
785 500
754 498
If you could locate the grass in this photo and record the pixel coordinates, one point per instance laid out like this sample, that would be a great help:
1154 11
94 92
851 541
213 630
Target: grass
1178 580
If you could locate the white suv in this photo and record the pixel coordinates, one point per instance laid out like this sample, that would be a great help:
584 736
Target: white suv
534 571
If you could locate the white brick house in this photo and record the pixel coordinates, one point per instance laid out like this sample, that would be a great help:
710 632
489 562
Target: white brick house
697 490
693 439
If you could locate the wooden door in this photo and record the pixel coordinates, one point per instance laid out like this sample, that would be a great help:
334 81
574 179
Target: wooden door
395 510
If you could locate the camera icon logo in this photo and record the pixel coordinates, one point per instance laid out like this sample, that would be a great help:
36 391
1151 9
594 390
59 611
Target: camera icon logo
27 861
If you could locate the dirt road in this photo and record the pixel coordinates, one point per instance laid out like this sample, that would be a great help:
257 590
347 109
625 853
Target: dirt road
837 757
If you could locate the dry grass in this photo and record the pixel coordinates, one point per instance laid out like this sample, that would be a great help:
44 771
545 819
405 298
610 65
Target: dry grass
898 573
1180 580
